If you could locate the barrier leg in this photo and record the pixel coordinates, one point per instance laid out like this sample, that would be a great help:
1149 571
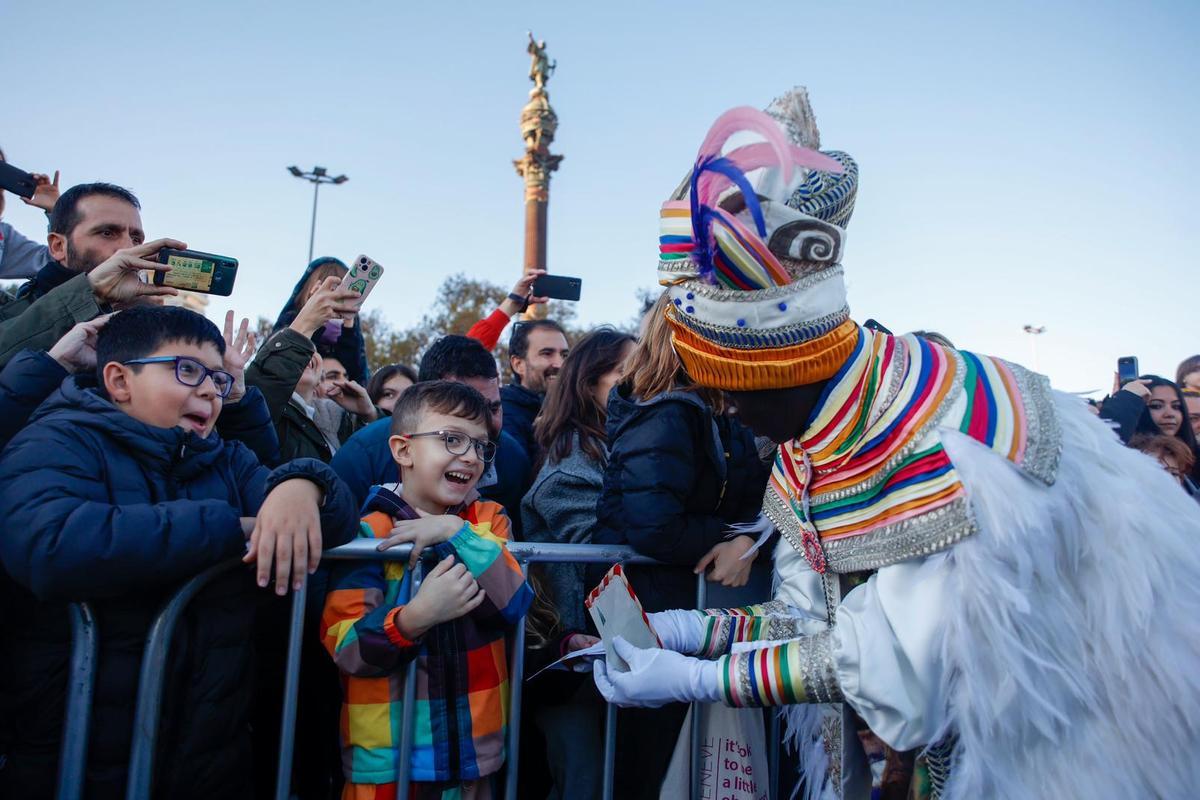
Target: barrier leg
408 715
291 688
610 751
698 708
774 740
72 760
151 678
516 680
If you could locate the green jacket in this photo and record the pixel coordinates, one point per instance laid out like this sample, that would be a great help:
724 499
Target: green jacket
275 370
36 319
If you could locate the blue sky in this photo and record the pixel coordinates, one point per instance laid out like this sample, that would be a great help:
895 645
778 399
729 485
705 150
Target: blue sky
1020 162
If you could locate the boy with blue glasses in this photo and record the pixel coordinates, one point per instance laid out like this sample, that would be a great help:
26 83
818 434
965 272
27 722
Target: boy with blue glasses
116 494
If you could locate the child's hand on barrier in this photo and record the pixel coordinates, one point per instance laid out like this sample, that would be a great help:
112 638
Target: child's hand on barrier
423 532
287 531
448 592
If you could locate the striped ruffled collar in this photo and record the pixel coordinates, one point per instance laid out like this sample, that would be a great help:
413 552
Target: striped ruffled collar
869 483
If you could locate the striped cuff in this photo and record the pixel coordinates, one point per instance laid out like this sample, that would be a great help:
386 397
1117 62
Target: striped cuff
723 630
801 671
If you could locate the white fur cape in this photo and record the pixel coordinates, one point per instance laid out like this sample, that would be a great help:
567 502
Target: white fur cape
1071 638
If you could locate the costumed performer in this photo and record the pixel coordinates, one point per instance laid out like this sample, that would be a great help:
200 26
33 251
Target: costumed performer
967 578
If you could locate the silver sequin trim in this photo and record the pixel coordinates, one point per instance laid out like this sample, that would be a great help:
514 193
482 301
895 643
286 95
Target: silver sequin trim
939 758
915 537
819 672
722 294
1043 449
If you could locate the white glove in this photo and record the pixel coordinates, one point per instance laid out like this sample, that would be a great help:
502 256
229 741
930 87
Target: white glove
656 677
679 629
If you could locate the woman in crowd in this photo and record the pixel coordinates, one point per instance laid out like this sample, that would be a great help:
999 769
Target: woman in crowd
1151 405
1174 456
1188 374
680 472
388 383
561 507
341 340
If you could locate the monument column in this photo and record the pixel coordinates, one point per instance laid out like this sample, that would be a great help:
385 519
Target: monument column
538 125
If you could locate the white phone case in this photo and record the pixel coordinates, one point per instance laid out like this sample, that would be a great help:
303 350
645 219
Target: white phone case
364 273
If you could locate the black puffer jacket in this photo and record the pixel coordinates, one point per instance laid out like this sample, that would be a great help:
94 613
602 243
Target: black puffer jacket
677 476
101 507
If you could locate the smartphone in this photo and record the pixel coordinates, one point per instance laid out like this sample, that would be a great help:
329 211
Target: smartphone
364 273
1127 369
17 181
557 287
197 272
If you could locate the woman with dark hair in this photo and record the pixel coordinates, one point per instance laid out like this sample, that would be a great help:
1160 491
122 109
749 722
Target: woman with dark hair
561 507
1151 405
388 383
341 340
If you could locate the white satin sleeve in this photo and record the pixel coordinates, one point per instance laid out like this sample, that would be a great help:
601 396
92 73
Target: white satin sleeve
886 645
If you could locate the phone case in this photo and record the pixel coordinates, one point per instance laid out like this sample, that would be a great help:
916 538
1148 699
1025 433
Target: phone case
363 275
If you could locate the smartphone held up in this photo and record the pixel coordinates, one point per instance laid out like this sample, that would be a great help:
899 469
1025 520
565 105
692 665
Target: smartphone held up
194 271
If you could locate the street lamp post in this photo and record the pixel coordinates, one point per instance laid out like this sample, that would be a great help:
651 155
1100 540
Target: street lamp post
1034 331
316 177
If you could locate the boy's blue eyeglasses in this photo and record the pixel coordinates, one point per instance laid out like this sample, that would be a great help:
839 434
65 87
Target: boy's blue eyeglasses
191 372
457 444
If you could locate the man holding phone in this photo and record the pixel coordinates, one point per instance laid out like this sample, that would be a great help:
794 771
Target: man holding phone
97 248
21 257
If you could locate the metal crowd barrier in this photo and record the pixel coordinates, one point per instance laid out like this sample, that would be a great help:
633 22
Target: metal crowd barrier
153 675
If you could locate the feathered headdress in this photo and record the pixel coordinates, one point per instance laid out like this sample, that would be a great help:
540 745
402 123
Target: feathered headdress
752 264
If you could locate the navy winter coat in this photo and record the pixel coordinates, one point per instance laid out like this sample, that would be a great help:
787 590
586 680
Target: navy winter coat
101 507
521 407
677 476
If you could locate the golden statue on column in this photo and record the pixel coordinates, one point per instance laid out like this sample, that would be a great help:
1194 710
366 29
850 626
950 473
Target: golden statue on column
538 124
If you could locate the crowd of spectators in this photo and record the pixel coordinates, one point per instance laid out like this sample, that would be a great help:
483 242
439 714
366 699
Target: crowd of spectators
144 445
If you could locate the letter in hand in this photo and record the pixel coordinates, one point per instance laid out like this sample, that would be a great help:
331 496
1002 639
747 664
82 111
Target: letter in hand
423 532
656 677
76 350
239 350
117 281
287 532
448 592
328 302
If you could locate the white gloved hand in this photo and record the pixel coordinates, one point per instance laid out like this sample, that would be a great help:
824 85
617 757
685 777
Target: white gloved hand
656 677
679 629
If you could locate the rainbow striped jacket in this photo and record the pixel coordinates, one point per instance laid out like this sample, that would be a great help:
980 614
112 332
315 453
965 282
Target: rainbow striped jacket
462 671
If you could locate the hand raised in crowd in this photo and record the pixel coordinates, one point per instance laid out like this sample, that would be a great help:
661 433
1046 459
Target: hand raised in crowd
76 350
239 350
423 533
524 288
448 592
117 281
352 397
1139 387
728 566
46 193
287 533
326 303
